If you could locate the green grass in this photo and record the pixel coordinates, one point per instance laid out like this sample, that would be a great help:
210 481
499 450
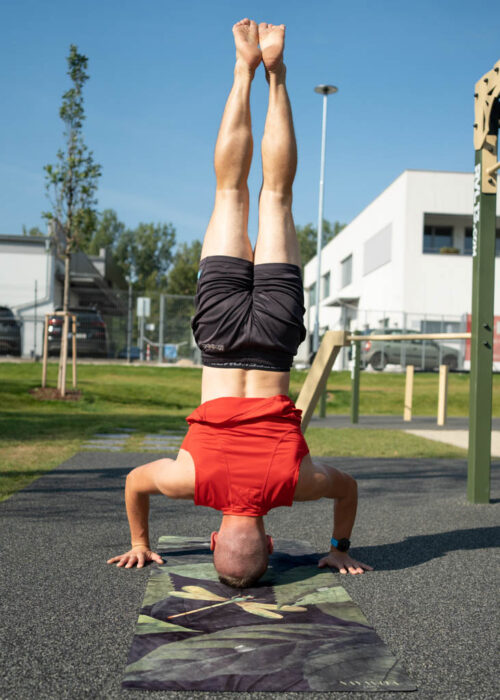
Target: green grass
36 435
383 393
355 442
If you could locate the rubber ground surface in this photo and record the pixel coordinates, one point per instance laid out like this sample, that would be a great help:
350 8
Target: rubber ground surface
68 618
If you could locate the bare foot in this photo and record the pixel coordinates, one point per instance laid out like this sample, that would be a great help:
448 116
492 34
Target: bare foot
272 43
246 38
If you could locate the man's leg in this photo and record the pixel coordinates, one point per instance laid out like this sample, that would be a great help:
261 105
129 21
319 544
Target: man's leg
277 239
227 232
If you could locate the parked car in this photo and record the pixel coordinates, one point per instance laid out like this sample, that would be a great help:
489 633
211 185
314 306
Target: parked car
10 332
91 333
378 353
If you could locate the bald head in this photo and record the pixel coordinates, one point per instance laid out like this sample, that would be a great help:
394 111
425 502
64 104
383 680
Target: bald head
241 551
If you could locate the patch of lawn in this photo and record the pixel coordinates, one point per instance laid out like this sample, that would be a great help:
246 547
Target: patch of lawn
355 442
36 435
22 463
382 393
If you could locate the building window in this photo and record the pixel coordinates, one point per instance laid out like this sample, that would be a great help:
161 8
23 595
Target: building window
346 271
326 285
468 241
312 294
437 237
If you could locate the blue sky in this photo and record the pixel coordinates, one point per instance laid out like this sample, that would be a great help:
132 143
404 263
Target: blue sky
160 73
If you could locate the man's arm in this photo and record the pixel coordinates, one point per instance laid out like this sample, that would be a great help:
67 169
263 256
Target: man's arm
320 480
157 477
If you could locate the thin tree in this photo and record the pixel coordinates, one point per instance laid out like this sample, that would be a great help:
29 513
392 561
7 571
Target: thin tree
71 183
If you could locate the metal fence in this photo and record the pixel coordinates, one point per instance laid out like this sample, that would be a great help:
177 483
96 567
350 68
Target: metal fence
136 326
395 356
154 327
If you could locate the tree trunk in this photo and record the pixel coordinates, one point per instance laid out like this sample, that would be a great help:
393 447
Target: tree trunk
67 259
63 357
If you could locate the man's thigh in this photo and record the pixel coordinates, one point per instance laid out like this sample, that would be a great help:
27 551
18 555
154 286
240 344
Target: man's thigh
277 239
227 232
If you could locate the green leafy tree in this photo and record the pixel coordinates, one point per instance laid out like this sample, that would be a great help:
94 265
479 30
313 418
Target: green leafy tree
145 254
33 231
183 275
107 233
308 234
72 182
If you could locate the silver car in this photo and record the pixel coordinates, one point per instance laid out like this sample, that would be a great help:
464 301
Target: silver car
423 354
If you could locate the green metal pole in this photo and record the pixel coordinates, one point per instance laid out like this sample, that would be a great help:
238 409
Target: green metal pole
356 370
483 284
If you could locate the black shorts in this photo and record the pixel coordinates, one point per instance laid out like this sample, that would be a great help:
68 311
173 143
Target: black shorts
248 316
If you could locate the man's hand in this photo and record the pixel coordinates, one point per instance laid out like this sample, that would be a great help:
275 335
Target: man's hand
344 563
137 555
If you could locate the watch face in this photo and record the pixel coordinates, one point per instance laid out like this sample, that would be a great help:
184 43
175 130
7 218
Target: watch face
343 545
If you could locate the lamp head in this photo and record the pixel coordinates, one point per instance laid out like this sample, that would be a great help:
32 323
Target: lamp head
325 89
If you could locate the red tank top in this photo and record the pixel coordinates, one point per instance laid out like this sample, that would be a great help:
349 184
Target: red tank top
246 452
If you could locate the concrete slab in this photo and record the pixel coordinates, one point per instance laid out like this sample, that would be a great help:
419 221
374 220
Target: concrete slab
458 438
159 446
111 436
394 422
106 447
165 436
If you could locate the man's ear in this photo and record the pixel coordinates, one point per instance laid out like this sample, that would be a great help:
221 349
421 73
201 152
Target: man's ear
213 540
270 544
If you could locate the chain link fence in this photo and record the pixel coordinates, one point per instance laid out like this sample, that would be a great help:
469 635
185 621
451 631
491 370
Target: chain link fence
422 354
153 327
127 325
396 355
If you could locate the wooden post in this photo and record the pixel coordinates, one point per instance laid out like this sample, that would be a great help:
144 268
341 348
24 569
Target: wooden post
443 394
59 369
407 412
317 376
45 351
64 355
73 347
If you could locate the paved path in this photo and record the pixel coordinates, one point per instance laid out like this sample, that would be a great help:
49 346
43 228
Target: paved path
68 618
394 423
459 438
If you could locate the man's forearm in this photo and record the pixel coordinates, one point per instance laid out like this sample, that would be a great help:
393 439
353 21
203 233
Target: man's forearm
137 505
344 513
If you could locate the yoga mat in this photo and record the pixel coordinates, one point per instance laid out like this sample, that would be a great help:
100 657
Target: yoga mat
297 630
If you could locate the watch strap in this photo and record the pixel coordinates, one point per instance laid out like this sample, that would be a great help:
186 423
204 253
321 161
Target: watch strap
342 545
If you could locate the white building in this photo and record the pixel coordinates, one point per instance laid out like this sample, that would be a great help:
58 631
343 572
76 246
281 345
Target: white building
32 280
404 261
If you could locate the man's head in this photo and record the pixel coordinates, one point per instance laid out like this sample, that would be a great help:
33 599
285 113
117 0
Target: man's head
241 550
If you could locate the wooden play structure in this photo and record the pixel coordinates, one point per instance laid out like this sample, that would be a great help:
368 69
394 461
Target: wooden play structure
334 341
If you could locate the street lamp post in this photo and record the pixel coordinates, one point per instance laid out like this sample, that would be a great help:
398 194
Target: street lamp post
324 90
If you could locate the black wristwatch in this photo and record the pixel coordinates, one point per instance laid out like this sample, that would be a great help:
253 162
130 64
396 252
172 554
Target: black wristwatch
342 545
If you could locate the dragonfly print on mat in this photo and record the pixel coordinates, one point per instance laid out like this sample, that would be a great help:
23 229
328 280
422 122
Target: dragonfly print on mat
247 602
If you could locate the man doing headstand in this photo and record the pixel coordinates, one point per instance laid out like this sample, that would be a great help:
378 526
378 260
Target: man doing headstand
244 452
